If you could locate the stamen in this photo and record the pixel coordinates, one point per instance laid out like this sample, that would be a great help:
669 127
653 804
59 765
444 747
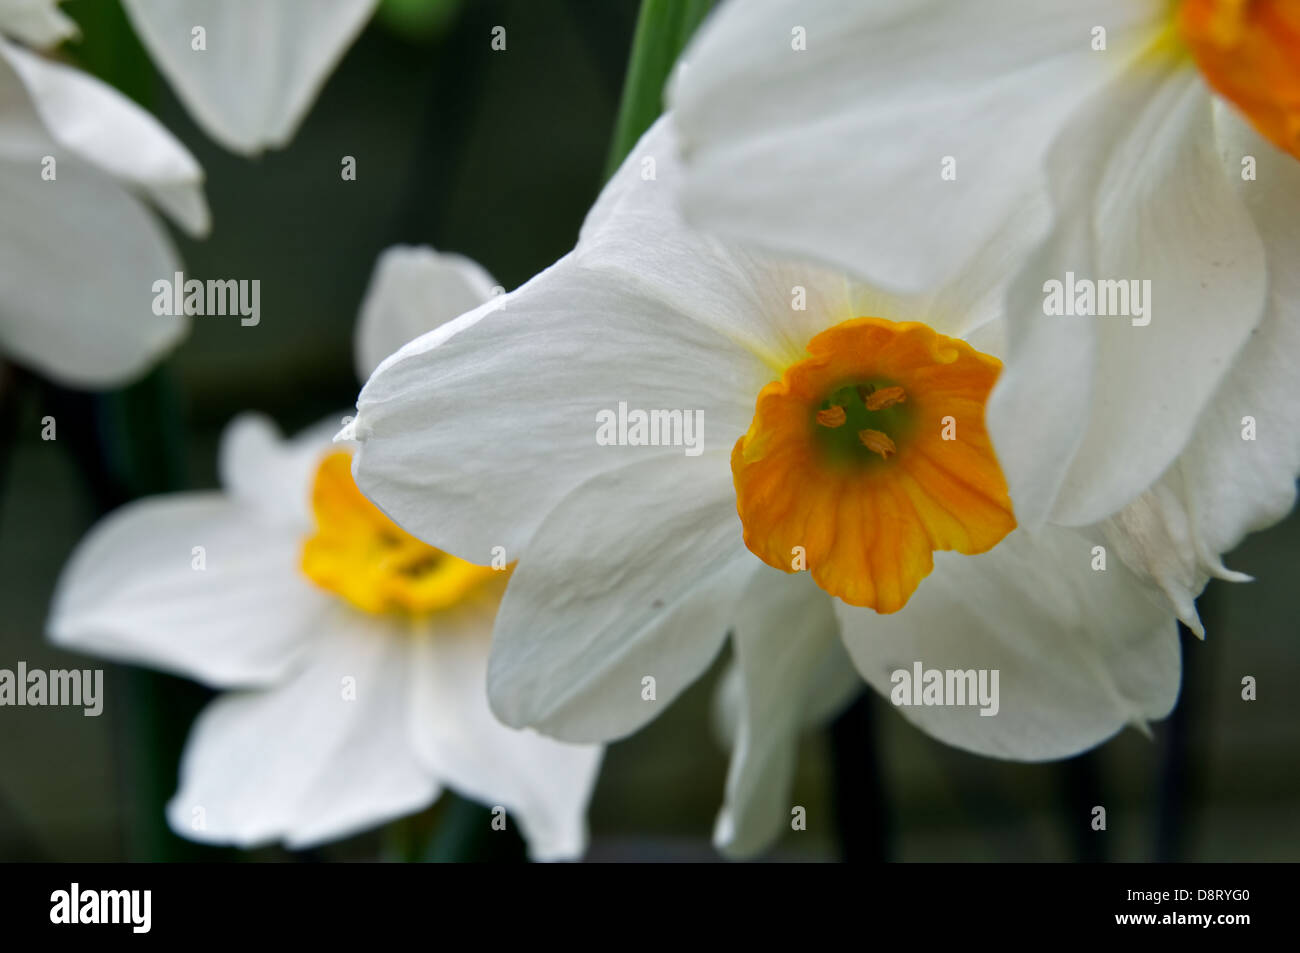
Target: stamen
885 397
832 417
877 442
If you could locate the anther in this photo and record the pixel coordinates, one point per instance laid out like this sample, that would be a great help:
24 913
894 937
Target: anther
877 442
831 417
885 397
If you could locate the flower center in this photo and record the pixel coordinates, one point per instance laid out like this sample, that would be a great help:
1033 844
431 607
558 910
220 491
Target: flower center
869 455
855 421
364 557
1249 53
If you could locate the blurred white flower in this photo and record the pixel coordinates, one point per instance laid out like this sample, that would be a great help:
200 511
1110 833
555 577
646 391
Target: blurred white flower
79 250
827 409
356 654
248 70
1165 133
409 284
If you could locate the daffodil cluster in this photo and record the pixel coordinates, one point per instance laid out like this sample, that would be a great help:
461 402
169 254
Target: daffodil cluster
838 245
916 335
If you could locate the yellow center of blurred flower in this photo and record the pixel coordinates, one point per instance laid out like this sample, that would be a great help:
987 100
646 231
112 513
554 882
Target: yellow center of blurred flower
868 455
1249 53
363 556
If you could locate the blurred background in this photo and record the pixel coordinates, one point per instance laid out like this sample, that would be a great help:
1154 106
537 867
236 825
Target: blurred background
498 155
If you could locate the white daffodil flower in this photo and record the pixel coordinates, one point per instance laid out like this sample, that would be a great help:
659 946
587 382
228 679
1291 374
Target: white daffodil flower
677 438
891 138
356 655
79 250
248 70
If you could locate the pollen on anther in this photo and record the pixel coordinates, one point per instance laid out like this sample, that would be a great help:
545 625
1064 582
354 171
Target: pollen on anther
877 442
885 397
831 417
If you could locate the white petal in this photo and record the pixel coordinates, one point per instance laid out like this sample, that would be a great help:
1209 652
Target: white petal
78 258
23 137
1224 486
302 762
633 576
104 128
469 441
1079 653
835 151
414 290
1091 410
544 784
131 592
264 63
635 235
785 637
1237 486
472 433
1154 537
38 23
260 468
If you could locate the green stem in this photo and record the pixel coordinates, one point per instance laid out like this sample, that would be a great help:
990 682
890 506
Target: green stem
663 29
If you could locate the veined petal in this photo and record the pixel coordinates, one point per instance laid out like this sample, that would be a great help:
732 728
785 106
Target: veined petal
1079 653
78 257
324 755
106 129
236 613
1237 473
836 150
414 290
786 637
544 784
1237 486
263 64
1090 410
1155 538
38 23
635 235
472 433
634 575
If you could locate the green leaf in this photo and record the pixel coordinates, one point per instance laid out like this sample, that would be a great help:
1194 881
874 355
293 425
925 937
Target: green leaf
663 29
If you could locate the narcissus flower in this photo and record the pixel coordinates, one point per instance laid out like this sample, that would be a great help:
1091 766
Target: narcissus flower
356 654
79 249
845 495
892 138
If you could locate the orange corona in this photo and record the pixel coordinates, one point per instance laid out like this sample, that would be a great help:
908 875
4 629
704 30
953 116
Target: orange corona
1249 53
870 454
